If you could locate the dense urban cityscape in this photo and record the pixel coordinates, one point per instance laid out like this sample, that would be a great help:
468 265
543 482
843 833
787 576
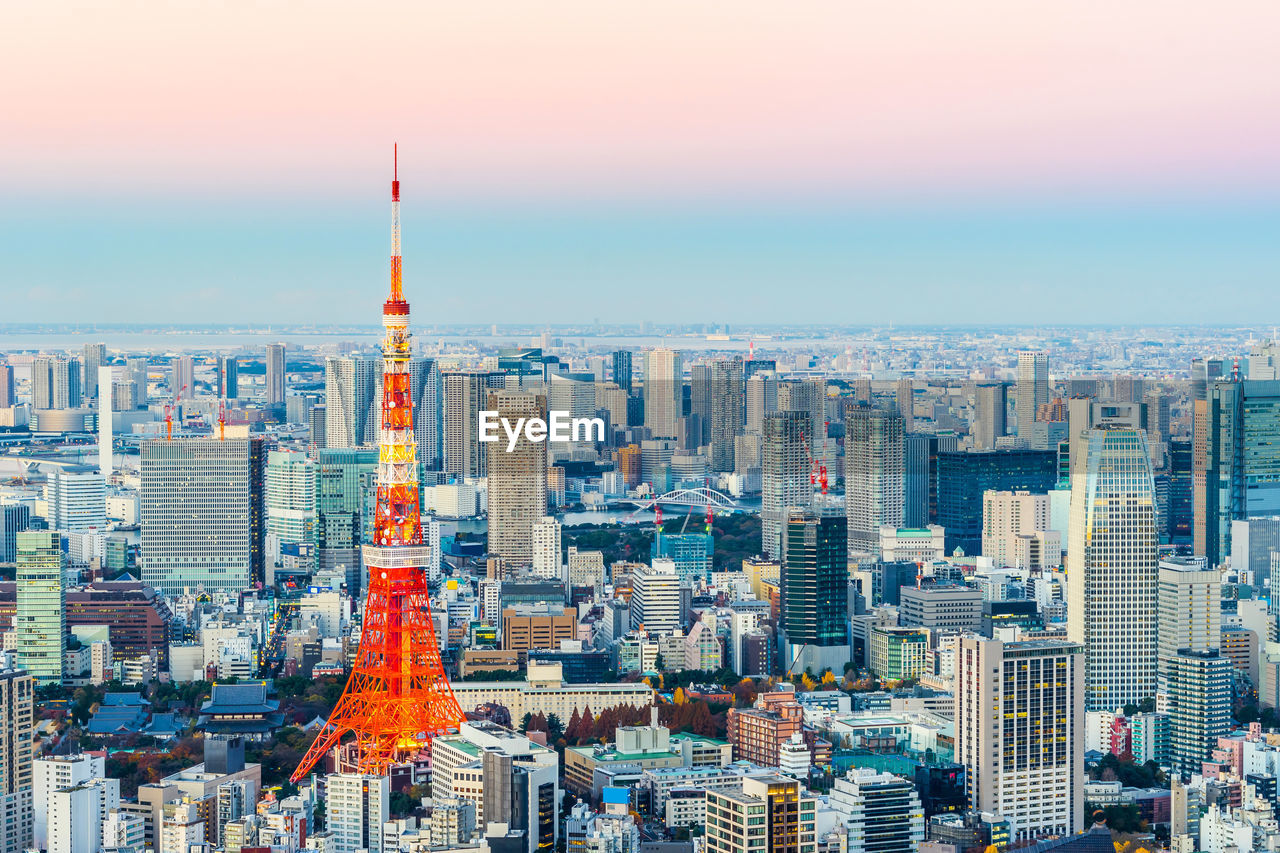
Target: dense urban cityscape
785 590
832 427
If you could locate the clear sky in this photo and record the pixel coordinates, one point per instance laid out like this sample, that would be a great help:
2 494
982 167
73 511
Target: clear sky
823 160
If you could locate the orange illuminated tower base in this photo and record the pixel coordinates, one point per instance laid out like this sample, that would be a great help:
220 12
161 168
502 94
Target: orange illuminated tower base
398 697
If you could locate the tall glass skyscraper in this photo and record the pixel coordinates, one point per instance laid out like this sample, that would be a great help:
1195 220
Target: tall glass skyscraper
1242 459
41 619
1112 575
814 580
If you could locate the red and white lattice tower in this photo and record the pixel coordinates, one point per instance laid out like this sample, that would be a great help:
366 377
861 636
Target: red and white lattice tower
398 696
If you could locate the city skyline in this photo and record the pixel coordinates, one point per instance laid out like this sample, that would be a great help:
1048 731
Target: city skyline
985 162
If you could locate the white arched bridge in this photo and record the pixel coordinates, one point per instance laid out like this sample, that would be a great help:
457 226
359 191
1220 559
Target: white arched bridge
700 497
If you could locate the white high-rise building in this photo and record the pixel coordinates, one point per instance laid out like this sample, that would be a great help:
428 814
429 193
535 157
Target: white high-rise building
1112 567
76 815
357 807
1017 531
290 503
1020 732
77 498
54 774
351 405
546 548
1032 390
655 597
1189 615
663 381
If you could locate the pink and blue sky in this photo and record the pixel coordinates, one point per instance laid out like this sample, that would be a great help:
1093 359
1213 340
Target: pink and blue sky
1092 162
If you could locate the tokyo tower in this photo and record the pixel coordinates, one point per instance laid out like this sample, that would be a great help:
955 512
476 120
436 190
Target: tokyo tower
398 697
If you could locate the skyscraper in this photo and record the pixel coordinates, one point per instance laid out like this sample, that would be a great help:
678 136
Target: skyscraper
547 553
1242 459
989 415
275 374
814 580
77 499
1112 568
785 472
1199 707
727 413
1033 388
465 394
7 398
806 395
14 518
202 514
699 405
139 370
228 377
41 618
344 475
92 357
290 505
964 477
663 381
762 400
182 382
622 369
1190 611
55 382
1020 732
17 711
906 403
873 475
517 481
350 402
